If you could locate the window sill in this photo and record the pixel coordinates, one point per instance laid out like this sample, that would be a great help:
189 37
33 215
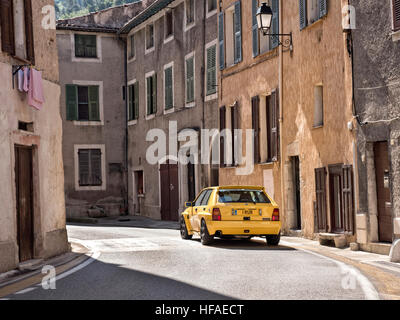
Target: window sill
189 26
88 123
150 116
141 195
190 105
132 122
211 13
317 22
91 188
132 59
169 39
318 127
395 35
212 96
266 163
147 51
172 110
78 59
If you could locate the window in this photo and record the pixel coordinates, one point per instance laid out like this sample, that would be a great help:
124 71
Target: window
149 36
132 50
229 148
211 5
230 35
211 67
85 46
189 12
206 198
318 106
168 87
151 94
396 14
242 196
190 82
199 199
17 29
169 24
139 178
133 102
82 103
90 167
311 11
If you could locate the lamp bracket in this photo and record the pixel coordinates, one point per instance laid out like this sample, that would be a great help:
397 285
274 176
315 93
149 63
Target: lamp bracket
286 42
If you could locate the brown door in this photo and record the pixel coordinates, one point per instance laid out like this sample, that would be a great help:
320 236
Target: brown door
24 196
335 196
382 168
169 192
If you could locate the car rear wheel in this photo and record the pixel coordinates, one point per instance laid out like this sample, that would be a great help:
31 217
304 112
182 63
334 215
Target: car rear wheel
206 239
273 240
184 232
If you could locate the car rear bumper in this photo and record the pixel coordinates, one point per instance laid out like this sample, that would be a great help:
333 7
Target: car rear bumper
244 227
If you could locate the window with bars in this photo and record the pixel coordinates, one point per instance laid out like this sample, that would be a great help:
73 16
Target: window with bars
82 103
190 71
211 74
151 91
133 102
85 46
168 88
90 167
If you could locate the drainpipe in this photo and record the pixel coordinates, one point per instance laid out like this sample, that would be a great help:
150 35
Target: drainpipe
282 206
203 81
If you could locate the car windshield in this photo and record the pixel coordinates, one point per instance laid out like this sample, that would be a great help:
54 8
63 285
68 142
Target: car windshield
242 196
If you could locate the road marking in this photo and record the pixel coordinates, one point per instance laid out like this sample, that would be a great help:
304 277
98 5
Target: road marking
367 287
25 290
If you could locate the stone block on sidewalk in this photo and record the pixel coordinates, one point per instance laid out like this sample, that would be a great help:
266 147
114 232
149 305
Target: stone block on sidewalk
395 251
354 246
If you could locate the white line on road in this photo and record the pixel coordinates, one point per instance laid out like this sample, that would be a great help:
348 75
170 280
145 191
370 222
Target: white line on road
25 290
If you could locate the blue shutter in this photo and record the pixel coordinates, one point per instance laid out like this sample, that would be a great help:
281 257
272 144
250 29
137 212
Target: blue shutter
275 24
254 28
323 8
221 41
238 32
303 13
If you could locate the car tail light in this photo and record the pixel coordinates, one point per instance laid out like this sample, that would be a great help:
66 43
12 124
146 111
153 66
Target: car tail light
275 215
216 214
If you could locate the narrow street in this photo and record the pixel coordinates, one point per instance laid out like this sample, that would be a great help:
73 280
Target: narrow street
135 263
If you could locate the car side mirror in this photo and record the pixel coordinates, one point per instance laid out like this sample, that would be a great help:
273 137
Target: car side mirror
188 204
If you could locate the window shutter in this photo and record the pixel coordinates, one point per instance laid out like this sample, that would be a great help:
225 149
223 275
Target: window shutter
222 126
168 89
7 26
136 100
83 156
254 28
255 110
221 41
190 80
94 114
95 166
130 102
275 125
275 23
235 125
238 32
30 47
154 106
303 13
396 14
323 8
320 207
149 94
348 198
211 70
71 93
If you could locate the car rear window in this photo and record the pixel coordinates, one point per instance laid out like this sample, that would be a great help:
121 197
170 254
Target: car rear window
242 196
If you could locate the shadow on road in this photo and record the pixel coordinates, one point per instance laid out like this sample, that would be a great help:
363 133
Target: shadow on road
240 244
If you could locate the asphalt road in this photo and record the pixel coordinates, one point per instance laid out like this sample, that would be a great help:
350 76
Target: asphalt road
139 264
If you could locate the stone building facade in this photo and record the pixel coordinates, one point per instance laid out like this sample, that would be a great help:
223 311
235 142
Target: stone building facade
32 218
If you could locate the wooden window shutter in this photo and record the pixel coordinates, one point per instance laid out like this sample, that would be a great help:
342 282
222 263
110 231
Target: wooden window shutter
274 41
348 198
221 41
94 113
238 32
136 101
323 8
396 14
168 94
7 26
149 94
84 167
154 94
320 207
211 70
274 118
222 126
30 45
235 125
254 28
130 102
303 13
71 93
190 80
255 111
95 166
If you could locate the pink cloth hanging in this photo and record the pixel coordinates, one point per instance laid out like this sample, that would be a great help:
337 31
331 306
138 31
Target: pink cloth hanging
35 94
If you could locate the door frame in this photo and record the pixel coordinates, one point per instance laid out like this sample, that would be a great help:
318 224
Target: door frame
335 169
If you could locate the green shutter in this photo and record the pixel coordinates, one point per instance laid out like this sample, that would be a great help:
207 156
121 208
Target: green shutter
211 70
190 80
303 13
130 103
95 167
275 24
149 94
254 28
84 167
94 113
168 89
221 41
71 92
323 8
154 107
238 32
136 100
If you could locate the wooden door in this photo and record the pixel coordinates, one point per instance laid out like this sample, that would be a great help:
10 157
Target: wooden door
296 180
169 192
382 169
24 197
335 197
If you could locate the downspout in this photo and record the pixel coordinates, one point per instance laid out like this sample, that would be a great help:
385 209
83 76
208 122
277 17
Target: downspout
203 85
282 206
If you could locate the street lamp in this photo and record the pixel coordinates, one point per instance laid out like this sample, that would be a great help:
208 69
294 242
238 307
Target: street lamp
264 17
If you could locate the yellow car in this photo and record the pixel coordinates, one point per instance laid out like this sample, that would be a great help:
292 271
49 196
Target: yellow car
231 211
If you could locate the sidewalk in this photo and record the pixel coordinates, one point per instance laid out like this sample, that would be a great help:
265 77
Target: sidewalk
127 221
383 274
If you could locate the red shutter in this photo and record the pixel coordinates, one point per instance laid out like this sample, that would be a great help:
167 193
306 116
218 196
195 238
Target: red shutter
30 51
7 26
255 111
348 198
222 126
320 207
396 14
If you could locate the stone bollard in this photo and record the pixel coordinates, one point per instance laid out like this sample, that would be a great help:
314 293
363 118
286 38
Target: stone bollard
395 251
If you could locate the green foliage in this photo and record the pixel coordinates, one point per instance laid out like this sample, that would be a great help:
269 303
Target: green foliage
73 8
